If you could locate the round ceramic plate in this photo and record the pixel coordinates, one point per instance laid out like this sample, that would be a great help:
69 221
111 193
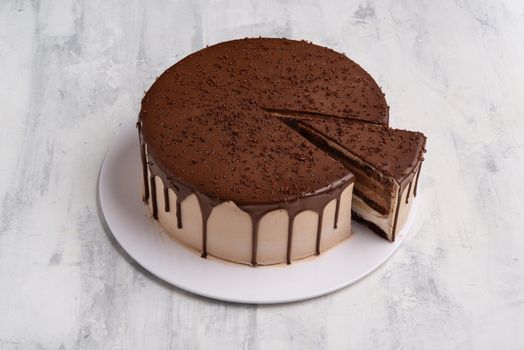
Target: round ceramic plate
144 240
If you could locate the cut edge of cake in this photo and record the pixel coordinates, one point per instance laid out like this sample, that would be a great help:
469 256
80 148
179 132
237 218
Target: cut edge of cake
384 210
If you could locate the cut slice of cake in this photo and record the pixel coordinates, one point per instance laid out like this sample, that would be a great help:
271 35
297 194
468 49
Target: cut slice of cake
386 164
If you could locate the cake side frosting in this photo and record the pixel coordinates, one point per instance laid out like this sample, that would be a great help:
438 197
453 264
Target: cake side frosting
159 189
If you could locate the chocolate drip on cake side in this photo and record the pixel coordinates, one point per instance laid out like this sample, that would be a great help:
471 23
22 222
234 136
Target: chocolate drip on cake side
416 181
315 202
409 191
153 196
413 176
145 198
291 221
319 232
178 213
397 209
166 200
206 206
182 192
256 212
337 210
181 189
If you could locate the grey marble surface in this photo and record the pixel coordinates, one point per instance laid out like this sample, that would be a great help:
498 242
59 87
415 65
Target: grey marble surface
72 72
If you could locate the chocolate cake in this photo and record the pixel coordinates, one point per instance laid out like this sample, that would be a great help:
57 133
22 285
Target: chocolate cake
235 151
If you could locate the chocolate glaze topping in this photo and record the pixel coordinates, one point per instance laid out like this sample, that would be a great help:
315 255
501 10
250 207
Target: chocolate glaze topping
210 126
205 119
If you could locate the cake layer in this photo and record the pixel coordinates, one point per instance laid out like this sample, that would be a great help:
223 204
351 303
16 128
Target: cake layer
385 225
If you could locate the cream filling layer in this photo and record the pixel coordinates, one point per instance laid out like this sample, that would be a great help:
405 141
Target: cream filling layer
386 221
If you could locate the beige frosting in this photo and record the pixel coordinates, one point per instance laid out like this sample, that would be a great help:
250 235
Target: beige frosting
229 229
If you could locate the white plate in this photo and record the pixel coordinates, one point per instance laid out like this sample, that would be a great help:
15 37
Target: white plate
144 240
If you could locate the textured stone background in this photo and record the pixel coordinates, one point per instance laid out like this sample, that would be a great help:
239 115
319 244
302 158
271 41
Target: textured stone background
72 72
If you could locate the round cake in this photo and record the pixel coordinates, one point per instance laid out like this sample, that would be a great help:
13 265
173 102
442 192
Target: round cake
227 174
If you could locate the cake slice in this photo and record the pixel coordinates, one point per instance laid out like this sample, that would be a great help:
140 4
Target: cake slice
386 164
